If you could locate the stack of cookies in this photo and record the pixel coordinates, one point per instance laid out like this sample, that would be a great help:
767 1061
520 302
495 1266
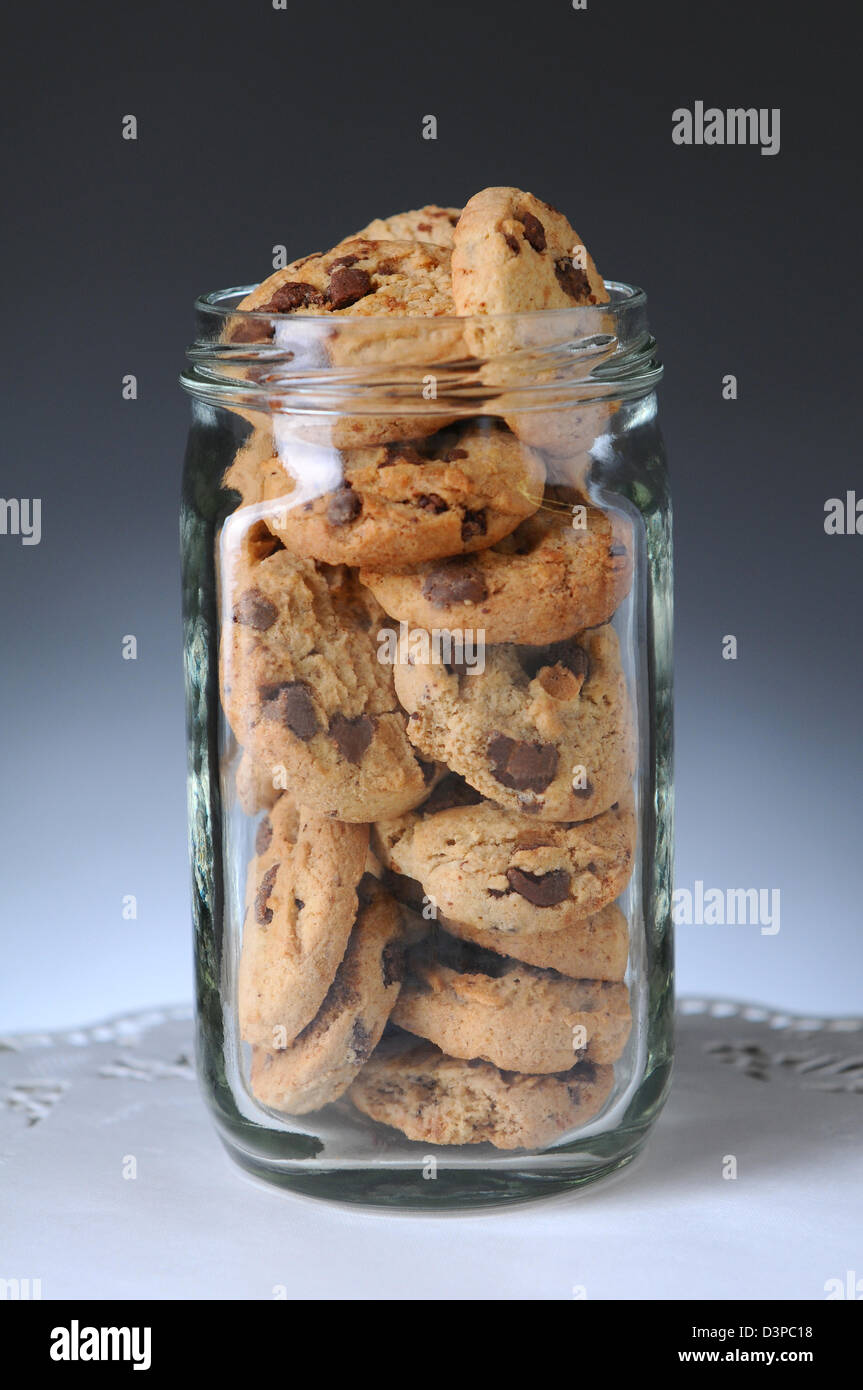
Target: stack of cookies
432 725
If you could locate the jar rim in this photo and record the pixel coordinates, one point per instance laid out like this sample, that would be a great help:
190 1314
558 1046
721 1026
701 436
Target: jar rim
336 362
623 296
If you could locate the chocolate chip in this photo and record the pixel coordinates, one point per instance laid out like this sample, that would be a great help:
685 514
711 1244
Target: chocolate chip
431 502
566 653
294 295
351 736
543 890
454 584
452 454
534 839
263 836
573 657
473 525
572 280
521 766
534 232
347 286
263 913
343 260
344 506
386 268
361 1040
290 702
254 609
512 242
617 550
401 453
392 964
251 331
299 904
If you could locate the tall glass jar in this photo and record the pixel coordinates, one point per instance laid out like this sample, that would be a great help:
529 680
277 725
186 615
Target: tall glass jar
427 597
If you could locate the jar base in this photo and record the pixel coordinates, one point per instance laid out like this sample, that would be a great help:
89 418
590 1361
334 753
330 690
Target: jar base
449 1190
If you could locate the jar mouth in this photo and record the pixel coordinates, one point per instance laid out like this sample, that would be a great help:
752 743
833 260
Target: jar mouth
224 302
266 361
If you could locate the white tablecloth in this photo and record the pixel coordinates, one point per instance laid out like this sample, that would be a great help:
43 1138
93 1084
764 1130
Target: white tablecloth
782 1096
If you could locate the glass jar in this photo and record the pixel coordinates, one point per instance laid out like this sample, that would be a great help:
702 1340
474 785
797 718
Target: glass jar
427 597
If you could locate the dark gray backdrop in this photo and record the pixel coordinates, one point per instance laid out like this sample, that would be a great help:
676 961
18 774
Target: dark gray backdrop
258 127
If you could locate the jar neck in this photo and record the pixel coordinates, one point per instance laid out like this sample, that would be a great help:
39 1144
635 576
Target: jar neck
460 366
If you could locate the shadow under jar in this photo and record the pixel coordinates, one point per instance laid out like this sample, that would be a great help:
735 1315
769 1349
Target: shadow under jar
427 601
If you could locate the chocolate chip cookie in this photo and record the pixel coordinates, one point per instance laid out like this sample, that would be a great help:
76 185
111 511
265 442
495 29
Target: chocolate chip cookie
595 949
361 277
565 568
545 730
327 1055
474 1003
302 685
444 1100
513 253
301 905
409 283
453 492
490 868
431 224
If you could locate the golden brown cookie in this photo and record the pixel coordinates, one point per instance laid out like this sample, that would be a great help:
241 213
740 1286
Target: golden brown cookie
560 571
301 905
594 949
512 254
360 277
444 1100
431 224
450 493
302 685
363 304
494 869
327 1055
474 1003
547 730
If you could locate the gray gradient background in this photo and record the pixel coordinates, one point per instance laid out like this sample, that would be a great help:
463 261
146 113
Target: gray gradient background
259 127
